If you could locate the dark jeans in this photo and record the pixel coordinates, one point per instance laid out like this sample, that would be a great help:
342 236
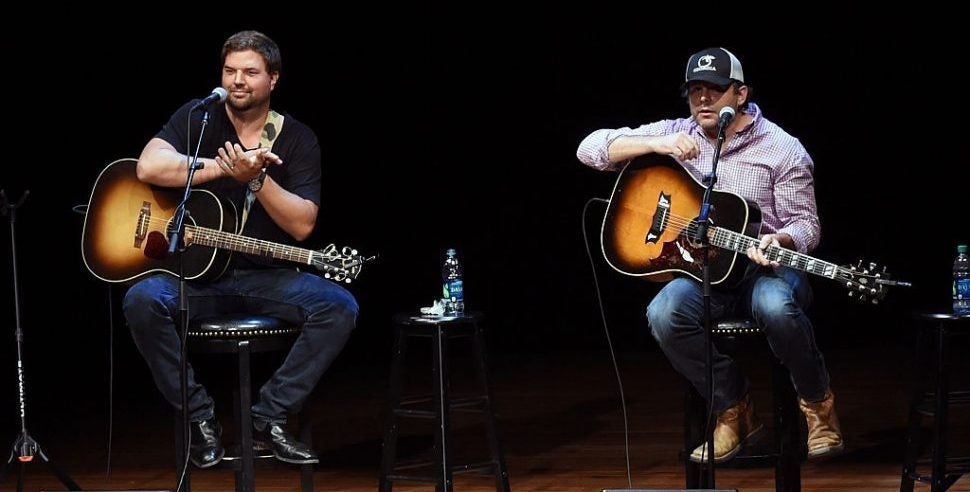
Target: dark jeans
326 311
774 298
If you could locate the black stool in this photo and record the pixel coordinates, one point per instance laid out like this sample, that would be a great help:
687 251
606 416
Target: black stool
242 336
787 451
933 401
439 405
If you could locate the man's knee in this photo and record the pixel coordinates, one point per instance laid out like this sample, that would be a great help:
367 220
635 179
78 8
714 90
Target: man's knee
143 295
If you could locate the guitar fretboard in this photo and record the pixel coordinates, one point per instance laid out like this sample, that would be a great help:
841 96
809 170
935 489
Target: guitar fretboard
225 240
728 239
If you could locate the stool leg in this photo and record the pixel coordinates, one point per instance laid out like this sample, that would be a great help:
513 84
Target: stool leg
912 446
787 415
906 482
494 443
245 475
442 408
395 387
939 483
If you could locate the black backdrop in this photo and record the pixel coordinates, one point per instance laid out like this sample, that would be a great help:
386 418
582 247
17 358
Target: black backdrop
462 133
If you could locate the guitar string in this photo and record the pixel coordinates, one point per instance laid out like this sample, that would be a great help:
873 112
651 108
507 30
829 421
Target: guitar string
331 260
277 251
783 255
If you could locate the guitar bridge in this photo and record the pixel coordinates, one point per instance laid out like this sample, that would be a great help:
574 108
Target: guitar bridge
660 215
141 227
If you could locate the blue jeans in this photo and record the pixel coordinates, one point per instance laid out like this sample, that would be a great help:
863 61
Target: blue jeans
326 311
774 298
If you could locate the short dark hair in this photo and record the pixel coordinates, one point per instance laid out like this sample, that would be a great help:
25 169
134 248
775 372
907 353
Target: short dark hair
254 41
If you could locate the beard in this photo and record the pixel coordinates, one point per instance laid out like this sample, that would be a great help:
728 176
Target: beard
245 104
709 127
241 105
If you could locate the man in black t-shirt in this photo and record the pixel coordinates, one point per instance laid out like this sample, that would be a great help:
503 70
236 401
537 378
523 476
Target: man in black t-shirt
248 150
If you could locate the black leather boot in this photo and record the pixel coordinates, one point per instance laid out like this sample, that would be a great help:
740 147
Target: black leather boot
273 437
206 446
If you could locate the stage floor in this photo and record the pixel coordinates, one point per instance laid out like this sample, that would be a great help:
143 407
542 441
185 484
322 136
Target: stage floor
559 416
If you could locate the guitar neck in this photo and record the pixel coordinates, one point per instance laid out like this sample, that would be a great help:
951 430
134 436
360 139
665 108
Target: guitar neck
730 240
224 240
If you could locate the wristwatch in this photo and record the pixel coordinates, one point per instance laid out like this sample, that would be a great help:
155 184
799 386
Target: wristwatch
256 183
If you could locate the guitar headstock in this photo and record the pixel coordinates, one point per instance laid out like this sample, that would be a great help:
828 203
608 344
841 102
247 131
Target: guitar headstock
340 265
867 282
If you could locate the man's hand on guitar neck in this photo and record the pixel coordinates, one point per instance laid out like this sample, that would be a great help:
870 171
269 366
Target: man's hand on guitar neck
757 255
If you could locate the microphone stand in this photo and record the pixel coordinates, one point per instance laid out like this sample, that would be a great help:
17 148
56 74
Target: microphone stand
176 246
702 239
24 447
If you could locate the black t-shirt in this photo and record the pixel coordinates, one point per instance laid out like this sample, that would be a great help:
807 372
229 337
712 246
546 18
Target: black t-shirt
299 174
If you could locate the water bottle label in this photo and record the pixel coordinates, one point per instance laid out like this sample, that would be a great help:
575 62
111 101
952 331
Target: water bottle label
961 288
454 289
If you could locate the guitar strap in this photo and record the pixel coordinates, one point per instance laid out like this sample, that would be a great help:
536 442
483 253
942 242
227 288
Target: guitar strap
271 130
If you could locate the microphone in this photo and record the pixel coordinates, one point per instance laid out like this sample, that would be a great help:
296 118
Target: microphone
725 116
218 95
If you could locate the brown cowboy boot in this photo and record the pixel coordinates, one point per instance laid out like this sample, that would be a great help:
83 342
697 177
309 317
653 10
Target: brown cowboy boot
736 427
824 434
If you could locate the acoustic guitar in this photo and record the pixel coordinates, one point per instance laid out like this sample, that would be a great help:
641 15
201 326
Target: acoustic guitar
127 225
650 231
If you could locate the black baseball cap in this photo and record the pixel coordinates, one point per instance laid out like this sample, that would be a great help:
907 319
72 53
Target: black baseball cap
715 65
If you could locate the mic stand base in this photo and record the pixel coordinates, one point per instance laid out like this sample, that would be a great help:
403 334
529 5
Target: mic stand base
25 448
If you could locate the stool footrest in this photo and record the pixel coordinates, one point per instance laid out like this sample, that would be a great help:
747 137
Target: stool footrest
475 404
418 414
928 401
948 480
956 464
455 402
478 467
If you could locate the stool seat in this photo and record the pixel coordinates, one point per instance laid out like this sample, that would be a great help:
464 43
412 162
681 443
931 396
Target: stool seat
933 399
736 326
242 335
786 453
240 327
439 405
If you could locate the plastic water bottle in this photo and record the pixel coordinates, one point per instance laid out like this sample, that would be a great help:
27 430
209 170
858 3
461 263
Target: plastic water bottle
452 287
961 281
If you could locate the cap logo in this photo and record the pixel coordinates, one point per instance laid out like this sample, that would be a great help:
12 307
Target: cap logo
705 63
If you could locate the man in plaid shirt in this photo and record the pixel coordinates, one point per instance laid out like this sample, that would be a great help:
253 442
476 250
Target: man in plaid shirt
767 166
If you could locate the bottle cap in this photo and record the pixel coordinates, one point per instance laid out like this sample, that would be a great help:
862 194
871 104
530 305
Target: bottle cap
962 248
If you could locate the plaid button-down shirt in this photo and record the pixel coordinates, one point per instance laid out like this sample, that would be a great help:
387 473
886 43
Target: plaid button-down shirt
762 163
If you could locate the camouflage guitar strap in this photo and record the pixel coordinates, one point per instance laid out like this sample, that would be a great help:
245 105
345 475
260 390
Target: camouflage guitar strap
271 130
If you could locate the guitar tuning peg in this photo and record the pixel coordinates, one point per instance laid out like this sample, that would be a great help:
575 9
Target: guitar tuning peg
872 266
